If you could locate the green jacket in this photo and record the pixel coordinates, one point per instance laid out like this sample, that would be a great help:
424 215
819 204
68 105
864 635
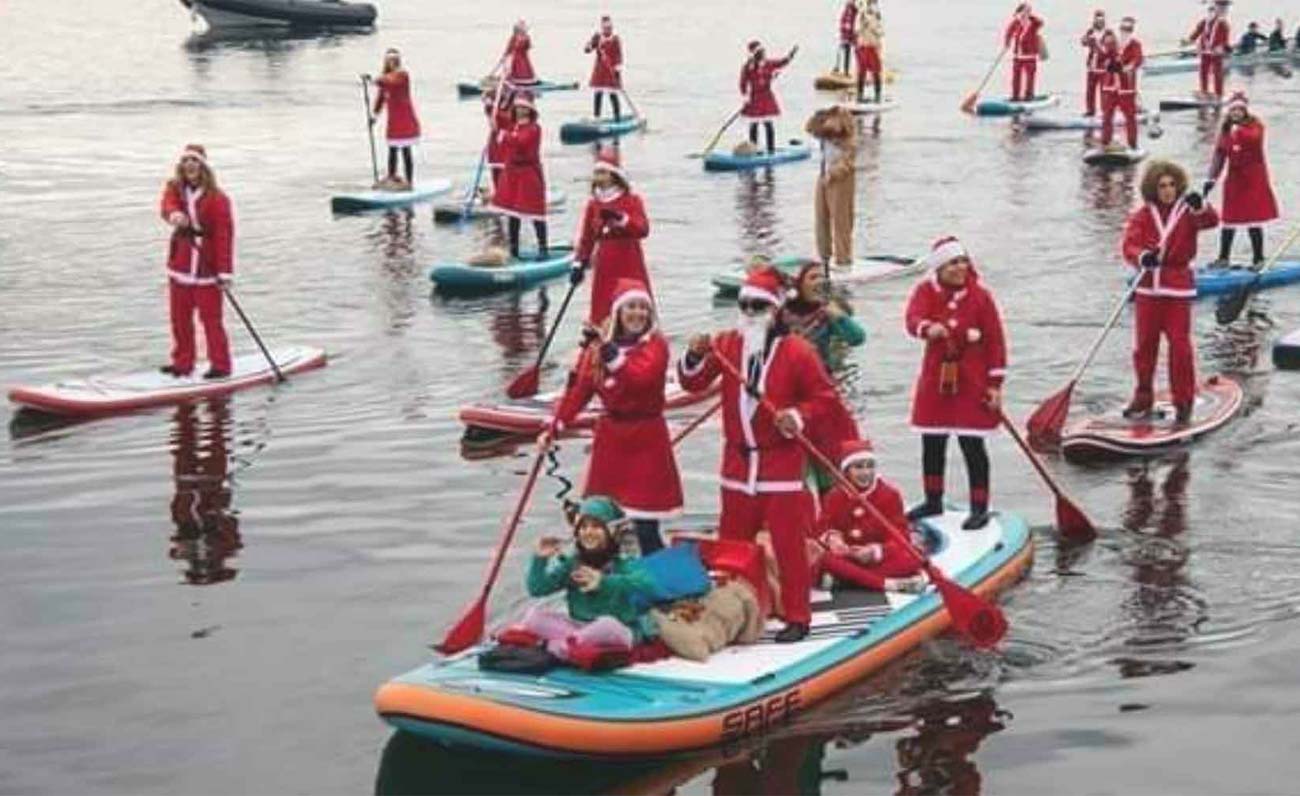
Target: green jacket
613 597
831 336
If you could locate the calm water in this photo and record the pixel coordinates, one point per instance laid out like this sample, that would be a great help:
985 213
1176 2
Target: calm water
339 527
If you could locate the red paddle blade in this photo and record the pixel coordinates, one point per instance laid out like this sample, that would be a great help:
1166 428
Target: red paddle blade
467 632
968 104
979 621
1072 522
1047 421
525 384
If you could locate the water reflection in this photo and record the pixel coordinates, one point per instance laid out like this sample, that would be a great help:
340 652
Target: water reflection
757 214
937 758
518 330
206 527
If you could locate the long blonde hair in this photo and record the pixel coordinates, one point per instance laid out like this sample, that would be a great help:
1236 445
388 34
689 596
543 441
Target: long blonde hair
207 178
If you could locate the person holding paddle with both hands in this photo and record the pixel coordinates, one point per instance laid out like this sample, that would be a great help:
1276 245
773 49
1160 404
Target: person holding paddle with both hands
607 71
1023 37
1121 58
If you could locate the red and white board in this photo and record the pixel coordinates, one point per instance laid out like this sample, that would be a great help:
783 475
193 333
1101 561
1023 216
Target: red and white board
530 415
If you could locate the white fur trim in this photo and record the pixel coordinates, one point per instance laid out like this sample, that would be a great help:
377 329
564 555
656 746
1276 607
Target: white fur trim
192 153
612 169
946 253
400 142
854 458
684 371
760 487
631 295
751 292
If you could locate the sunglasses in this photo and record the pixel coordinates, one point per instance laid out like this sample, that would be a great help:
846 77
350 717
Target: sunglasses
754 306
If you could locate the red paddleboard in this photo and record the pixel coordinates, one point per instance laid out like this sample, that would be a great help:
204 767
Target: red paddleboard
1112 436
530 415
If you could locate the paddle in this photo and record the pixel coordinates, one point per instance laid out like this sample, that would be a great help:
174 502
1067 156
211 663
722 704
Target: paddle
968 104
978 620
482 157
526 383
718 136
468 630
1070 519
1230 308
696 423
225 288
1048 419
370 126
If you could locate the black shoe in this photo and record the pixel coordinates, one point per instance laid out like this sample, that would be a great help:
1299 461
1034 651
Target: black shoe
792 632
171 370
1137 410
930 508
213 373
1183 416
977 519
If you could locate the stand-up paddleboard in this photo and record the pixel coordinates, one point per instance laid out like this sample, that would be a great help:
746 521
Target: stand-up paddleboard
101 395
1036 122
1218 281
869 108
846 81
1112 436
1010 107
1286 352
1190 104
872 268
1116 157
464 279
587 130
450 211
1191 63
361 201
728 161
466 89
531 415
673 706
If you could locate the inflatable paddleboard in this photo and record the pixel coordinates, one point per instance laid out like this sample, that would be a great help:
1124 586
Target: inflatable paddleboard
1192 62
449 211
727 161
872 268
531 415
1045 122
587 130
1191 104
361 201
868 108
101 395
1009 107
1286 352
1112 436
461 278
1219 281
1102 156
467 89
674 705
845 81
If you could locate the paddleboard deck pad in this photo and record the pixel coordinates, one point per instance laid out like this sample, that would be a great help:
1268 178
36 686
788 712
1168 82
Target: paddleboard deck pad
450 211
869 108
865 270
1286 352
361 201
461 278
675 705
581 132
844 81
102 395
1112 436
1113 157
531 415
1010 107
468 89
727 161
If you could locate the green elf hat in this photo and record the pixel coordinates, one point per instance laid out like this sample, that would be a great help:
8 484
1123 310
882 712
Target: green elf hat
602 509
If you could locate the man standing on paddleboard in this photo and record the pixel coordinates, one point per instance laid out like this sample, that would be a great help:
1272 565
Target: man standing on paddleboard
199 256
1211 37
870 44
1122 58
756 78
607 71
1091 41
1023 37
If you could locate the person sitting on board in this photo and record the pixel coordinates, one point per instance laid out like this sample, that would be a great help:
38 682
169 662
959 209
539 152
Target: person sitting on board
1023 36
870 46
609 238
1277 37
1159 244
607 71
501 118
199 262
521 193
836 132
958 389
1091 41
848 35
1250 40
1248 200
1123 58
1211 37
403 131
760 106
600 586
762 461
519 68
856 548
625 364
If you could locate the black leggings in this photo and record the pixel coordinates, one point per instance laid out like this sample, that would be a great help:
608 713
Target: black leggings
846 52
875 84
406 162
512 226
934 460
771 135
1256 243
613 103
647 536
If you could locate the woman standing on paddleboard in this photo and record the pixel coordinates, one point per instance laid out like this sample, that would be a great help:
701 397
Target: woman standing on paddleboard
609 241
626 365
607 71
1160 239
959 388
1023 37
521 194
403 132
519 68
199 257
760 106
1248 199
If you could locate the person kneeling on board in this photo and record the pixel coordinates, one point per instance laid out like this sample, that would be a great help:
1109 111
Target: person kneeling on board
756 78
1122 58
1160 245
857 548
198 258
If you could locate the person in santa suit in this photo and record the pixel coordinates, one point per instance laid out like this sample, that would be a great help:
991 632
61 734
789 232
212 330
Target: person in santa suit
1211 37
199 256
609 238
1022 37
870 43
756 78
632 461
762 462
607 71
521 192
1091 41
1160 245
1122 57
394 93
848 35
959 387
501 117
1248 199
858 548
519 68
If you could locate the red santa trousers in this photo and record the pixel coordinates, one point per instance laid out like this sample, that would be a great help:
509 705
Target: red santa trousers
1171 317
206 300
1023 71
788 517
895 564
1091 91
1212 66
1125 104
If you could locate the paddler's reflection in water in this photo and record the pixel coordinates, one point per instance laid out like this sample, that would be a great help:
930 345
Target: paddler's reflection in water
206 527
755 204
519 330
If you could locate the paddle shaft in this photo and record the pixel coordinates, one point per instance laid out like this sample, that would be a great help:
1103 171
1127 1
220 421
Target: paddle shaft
370 127
1033 459
630 104
559 316
482 157
992 68
1105 330
1236 302
718 136
513 523
696 423
279 376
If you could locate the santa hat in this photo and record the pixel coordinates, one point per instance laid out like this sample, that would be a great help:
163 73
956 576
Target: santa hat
857 450
195 151
608 160
521 26
764 284
392 51
754 46
1023 8
627 290
945 250
1238 100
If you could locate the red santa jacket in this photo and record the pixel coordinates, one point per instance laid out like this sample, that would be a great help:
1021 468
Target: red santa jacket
1022 37
1172 233
204 249
1211 36
395 92
756 84
976 342
609 60
756 457
849 23
841 511
1130 59
609 240
1091 41
519 68
522 189
1247 189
